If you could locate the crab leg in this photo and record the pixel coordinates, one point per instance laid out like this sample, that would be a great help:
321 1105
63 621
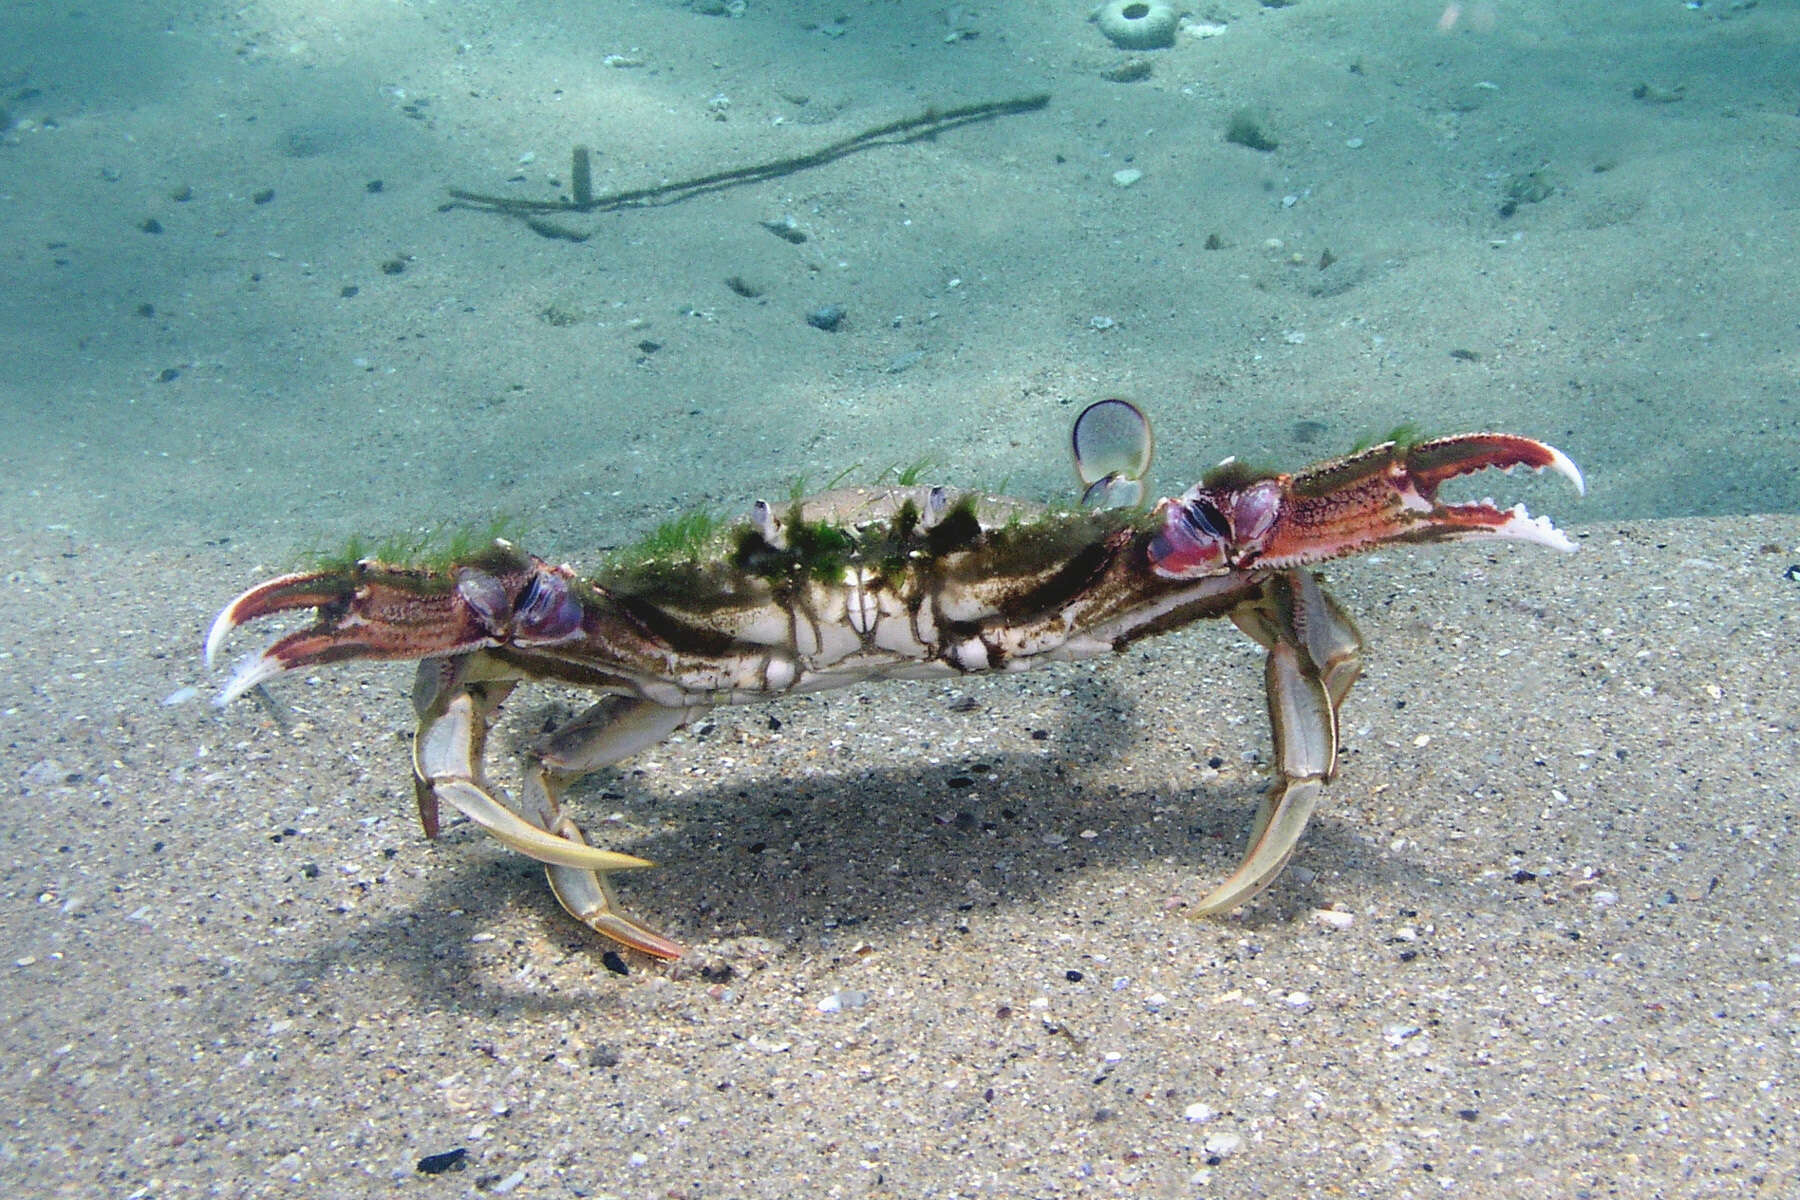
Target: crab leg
447 767
615 728
453 720
1314 658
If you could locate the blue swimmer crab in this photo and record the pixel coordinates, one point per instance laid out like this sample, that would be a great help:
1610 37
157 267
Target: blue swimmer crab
875 583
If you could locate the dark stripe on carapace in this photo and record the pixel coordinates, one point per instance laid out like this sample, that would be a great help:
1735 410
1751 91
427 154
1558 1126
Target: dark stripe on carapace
680 636
1055 592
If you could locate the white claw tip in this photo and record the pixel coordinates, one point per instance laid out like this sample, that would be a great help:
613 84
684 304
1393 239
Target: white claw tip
251 670
1565 466
216 634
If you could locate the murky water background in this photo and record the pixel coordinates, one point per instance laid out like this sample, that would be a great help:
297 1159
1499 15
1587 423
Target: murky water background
236 306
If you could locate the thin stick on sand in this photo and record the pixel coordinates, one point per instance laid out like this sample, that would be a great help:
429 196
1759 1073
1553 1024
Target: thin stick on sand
931 122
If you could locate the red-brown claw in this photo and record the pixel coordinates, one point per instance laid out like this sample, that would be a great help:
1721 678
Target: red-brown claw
1429 464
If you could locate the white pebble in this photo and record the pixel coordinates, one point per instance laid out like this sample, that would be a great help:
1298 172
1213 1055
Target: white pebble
1127 177
1299 1000
839 1001
1331 918
1198 1112
1222 1145
180 695
1354 143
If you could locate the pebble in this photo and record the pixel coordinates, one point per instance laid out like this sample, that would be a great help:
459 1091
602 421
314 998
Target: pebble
1353 143
1198 1112
1331 918
45 772
827 317
1222 1145
1297 1000
841 1000
1395 1035
180 695
1127 177
449 1160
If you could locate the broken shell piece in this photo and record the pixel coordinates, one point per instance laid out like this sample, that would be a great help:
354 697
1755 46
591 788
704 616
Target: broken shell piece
1138 24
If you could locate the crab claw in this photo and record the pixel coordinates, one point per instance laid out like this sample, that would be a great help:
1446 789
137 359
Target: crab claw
1240 520
1417 471
371 610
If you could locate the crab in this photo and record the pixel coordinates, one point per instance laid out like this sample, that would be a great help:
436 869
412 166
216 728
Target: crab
866 584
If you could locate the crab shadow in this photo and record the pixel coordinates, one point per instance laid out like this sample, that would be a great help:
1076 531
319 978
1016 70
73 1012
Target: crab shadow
850 854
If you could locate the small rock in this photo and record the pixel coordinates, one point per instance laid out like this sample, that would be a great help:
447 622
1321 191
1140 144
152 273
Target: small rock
1127 177
787 229
1222 1145
1198 1112
46 772
827 317
449 1160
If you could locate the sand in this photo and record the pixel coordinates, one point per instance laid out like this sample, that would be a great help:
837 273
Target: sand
1544 934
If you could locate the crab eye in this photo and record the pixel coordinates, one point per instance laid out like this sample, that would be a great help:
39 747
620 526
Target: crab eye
1206 519
483 593
546 610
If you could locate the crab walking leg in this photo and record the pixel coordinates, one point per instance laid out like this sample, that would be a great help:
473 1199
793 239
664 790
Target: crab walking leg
615 728
447 767
1314 658
585 894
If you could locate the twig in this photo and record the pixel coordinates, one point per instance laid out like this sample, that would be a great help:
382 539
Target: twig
895 133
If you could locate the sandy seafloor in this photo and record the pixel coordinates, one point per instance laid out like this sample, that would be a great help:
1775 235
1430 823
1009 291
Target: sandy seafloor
939 946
